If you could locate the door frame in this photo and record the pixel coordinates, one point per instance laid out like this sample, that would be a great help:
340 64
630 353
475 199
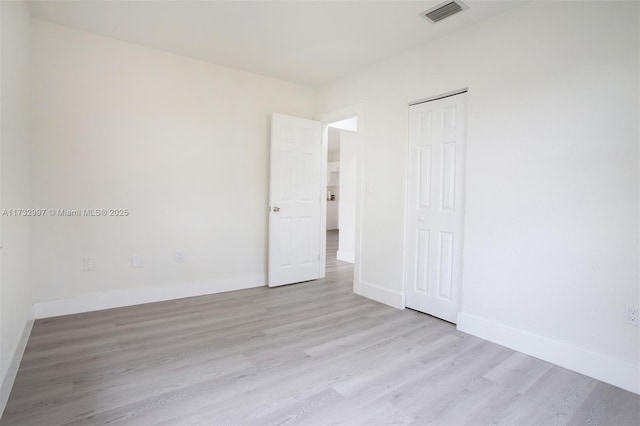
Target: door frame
326 119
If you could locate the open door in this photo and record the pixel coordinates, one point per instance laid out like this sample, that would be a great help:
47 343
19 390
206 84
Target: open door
295 195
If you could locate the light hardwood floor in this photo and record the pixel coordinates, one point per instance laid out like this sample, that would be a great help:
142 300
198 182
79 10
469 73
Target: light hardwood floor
311 353
333 264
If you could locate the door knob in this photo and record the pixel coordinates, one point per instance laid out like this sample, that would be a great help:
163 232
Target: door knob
276 209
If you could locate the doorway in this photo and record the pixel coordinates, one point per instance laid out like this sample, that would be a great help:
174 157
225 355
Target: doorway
341 169
298 192
435 205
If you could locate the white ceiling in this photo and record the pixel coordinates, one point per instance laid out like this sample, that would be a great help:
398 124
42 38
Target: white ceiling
306 42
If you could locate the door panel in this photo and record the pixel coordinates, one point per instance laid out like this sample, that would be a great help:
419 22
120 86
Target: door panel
422 261
295 192
435 206
425 177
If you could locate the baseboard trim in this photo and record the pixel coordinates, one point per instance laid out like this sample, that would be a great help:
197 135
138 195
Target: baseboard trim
382 295
598 366
346 256
137 296
10 377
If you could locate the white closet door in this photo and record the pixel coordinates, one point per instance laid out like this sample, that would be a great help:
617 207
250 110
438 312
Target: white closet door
436 206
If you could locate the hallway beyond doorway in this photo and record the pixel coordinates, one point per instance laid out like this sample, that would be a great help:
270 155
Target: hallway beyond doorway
333 264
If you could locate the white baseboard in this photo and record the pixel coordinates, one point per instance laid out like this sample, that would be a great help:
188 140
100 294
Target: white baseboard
137 296
598 366
346 256
381 295
12 371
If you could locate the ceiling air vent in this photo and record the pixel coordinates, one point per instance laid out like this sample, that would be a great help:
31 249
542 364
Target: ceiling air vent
443 10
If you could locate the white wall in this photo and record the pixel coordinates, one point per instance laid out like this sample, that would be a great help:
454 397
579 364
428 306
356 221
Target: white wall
181 143
16 312
347 204
551 231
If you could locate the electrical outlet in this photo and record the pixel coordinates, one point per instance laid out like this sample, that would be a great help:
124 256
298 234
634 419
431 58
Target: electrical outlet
631 315
136 261
179 256
369 188
88 264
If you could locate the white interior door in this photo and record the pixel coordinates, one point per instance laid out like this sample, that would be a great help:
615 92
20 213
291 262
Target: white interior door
295 200
435 206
